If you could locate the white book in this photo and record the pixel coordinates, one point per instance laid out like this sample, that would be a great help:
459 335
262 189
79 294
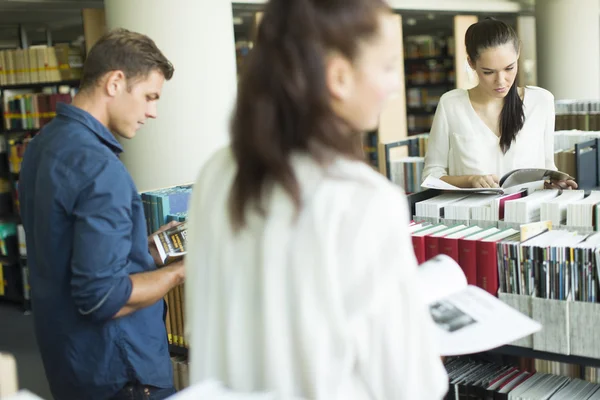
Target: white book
461 209
580 213
555 210
468 319
527 209
432 207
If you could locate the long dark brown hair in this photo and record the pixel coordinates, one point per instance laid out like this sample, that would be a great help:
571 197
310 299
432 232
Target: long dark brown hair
283 103
493 33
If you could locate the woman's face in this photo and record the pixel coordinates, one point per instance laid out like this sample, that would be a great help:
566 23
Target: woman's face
496 69
360 89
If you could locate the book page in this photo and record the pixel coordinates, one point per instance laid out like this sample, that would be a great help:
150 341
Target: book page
472 321
434 183
468 319
440 277
525 175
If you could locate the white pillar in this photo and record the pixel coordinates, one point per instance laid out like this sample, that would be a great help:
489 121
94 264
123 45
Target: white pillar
568 52
196 104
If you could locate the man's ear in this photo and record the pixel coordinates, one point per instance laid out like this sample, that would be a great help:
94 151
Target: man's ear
339 76
115 82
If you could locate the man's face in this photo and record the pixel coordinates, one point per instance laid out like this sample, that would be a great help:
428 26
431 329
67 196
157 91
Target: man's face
132 106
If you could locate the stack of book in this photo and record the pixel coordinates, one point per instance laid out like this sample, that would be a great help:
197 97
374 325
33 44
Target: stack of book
484 380
40 64
408 173
32 110
575 114
164 205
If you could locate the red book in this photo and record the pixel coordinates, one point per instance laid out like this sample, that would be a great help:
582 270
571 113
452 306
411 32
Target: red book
506 198
432 242
418 240
449 244
467 253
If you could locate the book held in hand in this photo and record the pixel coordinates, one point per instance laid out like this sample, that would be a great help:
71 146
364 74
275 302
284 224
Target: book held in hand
172 243
517 178
468 319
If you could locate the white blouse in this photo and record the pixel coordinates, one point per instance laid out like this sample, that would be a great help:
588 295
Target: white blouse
319 305
460 143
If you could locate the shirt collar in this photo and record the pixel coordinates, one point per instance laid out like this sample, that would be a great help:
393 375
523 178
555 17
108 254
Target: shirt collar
85 118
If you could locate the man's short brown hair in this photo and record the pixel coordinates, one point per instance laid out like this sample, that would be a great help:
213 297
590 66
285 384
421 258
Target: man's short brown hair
121 50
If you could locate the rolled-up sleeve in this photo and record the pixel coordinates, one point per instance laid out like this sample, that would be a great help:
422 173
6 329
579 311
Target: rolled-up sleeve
438 146
100 282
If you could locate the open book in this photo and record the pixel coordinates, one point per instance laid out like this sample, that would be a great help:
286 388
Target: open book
515 180
172 243
468 319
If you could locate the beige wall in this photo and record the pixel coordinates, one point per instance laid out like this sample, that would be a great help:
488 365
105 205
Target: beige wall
567 45
465 77
392 123
94 25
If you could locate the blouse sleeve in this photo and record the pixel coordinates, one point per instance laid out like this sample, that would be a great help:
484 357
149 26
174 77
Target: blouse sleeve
397 350
549 135
438 146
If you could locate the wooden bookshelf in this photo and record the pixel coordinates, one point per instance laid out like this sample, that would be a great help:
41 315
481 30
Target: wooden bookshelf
39 85
13 177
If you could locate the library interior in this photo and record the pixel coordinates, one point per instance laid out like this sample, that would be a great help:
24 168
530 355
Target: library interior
503 224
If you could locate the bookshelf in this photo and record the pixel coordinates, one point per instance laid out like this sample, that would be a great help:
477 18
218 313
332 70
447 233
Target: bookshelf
517 351
178 350
14 139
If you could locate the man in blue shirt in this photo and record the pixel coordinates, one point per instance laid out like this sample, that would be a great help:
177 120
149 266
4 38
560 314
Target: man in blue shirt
95 288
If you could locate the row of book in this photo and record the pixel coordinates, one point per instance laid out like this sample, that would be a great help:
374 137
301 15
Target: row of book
577 114
557 265
423 46
181 372
175 319
164 205
566 139
32 110
40 64
472 247
473 379
407 173
371 148
569 208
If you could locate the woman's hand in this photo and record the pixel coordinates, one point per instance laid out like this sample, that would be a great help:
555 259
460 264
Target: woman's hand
483 181
563 185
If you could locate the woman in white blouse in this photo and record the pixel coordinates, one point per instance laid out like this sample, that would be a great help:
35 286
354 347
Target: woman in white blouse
301 277
480 134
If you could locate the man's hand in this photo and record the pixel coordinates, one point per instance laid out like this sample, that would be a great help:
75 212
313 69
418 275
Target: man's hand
178 268
483 181
152 246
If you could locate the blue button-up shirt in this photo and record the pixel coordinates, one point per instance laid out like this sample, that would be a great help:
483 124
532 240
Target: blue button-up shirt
86 233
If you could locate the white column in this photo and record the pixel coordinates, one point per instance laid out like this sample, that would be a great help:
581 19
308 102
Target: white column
196 104
568 52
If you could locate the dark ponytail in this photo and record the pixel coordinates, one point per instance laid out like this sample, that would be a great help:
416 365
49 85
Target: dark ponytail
493 33
283 104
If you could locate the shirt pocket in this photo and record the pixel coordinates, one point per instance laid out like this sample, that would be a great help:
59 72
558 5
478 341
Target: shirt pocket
466 156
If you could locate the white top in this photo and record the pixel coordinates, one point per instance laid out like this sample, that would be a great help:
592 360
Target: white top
324 306
460 143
